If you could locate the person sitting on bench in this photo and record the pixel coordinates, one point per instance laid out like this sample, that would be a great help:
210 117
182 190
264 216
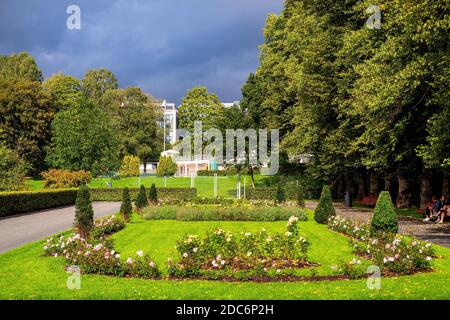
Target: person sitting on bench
432 211
443 211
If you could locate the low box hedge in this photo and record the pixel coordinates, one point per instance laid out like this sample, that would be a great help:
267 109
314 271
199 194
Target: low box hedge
27 201
164 194
290 190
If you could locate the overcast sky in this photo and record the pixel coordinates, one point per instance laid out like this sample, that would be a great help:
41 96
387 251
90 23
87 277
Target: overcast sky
163 46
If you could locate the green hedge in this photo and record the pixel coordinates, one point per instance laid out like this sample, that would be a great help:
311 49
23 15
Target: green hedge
164 194
290 190
218 213
27 201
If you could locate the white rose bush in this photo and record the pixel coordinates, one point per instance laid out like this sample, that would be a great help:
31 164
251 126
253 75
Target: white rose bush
222 254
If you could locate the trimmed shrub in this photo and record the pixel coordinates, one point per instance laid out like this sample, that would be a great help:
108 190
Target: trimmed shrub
300 198
27 201
126 209
280 196
221 213
130 167
325 208
153 194
384 217
84 214
59 178
141 199
166 167
164 194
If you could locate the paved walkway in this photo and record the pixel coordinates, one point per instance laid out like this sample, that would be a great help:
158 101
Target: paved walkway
18 230
436 233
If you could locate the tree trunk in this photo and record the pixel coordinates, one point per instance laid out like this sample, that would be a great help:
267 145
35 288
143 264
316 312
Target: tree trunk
446 185
404 196
373 183
388 183
253 176
362 184
425 189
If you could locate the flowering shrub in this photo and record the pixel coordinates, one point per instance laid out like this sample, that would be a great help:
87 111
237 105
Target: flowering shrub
392 253
98 256
107 226
222 251
349 228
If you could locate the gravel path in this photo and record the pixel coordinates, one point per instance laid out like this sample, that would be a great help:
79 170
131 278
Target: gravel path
436 233
19 230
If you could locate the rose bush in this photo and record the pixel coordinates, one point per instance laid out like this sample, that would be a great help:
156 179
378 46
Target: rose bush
392 253
222 252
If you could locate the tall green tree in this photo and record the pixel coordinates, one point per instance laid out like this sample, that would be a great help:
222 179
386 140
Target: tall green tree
84 138
20 66
200 105
97 82
26 112
134 114
64 90
12 170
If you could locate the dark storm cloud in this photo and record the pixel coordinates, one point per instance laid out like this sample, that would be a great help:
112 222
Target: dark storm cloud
164 46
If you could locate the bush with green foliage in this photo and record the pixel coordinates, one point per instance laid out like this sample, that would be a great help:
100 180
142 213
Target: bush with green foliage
166 195
84 214
27 201
130 167
220 212
126 208
325 208
280 196
12 170
166 167
384 217
60 178
300 196
153 194
141 199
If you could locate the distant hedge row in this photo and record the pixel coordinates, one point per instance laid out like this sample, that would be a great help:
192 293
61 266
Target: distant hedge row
27 201
164 194
290 191
22 202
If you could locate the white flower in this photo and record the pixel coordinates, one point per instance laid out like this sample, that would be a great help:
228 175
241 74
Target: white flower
292 220
288 234
129 261
117 256
428 258
140 253
45 247
278 270
195 250
185 255
222 262
151 264
113 252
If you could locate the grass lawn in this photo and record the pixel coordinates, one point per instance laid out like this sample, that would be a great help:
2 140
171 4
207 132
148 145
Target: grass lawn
205 185
25 274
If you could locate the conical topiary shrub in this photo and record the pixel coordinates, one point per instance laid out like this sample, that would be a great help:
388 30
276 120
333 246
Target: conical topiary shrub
153 195
300 196
84 214
325 208
126 208
280 196
384 217
141 199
